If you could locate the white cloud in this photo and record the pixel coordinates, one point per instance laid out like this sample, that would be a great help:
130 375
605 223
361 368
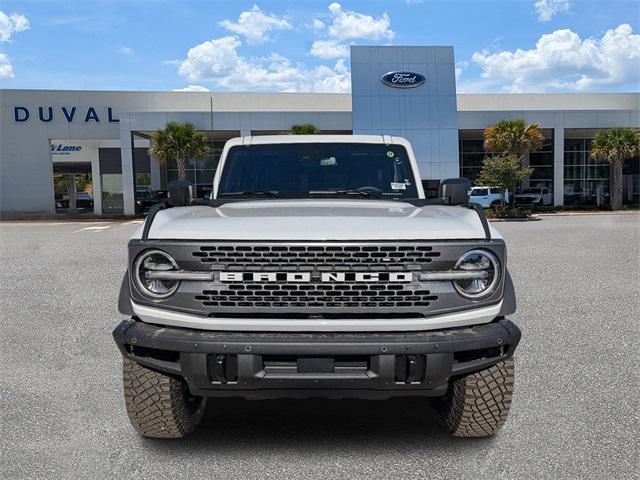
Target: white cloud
352 25
329 49
218 61
255 24
346 26
126 51
10 24
547 9
562 60
211 59
6 70
192 88
460 67
316 25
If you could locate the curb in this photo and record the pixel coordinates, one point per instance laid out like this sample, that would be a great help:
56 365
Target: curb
578 214
528 219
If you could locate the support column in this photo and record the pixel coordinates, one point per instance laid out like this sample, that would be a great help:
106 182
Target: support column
558 166
126 155
96 181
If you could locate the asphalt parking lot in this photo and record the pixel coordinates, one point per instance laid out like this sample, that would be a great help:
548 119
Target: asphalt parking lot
575 412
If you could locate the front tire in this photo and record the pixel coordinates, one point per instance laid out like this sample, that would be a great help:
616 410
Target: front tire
159 406
477 405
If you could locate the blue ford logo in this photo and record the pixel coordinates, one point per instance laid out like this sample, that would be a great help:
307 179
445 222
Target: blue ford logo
403 79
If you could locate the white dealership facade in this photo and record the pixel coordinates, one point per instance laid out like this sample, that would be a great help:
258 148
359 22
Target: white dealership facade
98 140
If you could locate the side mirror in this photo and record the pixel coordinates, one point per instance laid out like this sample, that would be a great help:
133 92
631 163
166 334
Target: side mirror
455 191
180 193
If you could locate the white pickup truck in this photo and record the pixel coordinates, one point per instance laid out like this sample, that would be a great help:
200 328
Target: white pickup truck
318 268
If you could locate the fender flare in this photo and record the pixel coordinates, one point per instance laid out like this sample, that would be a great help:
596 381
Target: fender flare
124 299
508 297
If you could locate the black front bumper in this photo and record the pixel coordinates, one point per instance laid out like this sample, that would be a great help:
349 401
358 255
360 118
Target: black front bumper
335 365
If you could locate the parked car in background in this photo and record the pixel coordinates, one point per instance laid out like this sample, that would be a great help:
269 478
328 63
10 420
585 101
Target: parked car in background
145 199
487 197
534 196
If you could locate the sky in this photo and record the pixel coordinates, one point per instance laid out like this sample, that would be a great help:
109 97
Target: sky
265 45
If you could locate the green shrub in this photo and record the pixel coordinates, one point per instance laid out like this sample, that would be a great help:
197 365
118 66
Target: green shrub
517 212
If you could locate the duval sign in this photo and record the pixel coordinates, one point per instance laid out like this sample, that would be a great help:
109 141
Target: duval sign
403 79
68 114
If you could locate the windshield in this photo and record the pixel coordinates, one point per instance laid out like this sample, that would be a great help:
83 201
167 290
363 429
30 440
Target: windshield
535 191
308 169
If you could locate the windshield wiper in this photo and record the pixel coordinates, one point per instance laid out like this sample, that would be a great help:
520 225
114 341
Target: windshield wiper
362 193
248 193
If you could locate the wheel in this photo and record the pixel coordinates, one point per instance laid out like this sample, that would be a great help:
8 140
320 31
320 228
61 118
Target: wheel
495 204
477 405
159 406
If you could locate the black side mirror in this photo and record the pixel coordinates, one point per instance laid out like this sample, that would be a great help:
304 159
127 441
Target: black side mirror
455 191
180 193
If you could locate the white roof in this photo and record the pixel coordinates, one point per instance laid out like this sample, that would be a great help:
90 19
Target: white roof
269 139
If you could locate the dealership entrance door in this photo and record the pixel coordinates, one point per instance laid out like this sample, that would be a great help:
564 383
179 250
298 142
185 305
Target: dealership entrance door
73 187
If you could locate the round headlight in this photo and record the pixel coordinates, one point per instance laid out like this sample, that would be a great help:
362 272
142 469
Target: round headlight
148 270
484 270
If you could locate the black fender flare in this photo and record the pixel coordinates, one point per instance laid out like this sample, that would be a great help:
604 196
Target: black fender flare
508 297
124 299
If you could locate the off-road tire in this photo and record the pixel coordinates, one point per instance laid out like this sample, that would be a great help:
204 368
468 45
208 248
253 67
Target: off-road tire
477 405
495 204
159 406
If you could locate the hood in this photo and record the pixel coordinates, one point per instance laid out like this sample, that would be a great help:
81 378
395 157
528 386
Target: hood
528 195
313 219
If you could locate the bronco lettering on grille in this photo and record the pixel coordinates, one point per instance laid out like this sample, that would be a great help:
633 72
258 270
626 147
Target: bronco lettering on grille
324 277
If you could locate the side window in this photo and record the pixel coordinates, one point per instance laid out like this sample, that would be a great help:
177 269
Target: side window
545 191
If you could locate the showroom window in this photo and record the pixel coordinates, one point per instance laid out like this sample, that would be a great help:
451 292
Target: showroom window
586 180
199 172
472 155
542 163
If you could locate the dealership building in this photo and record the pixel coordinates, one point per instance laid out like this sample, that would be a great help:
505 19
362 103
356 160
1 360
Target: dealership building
88 150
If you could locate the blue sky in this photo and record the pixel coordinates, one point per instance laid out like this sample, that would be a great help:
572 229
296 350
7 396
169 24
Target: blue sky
500 46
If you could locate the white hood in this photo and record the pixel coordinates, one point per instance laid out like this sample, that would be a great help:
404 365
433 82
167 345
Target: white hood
317 219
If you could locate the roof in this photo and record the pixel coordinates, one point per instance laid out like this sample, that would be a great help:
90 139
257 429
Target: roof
547 101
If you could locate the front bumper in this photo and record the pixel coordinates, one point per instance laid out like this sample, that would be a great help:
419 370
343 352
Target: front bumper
334 365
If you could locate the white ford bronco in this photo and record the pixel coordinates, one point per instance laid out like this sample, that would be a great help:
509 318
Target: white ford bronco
317 269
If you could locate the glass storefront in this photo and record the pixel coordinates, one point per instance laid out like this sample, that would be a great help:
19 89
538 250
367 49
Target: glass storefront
73 187
542 163
199 172
586 180
472 155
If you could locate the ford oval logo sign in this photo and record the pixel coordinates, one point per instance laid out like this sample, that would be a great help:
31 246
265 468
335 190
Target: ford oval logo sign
403 79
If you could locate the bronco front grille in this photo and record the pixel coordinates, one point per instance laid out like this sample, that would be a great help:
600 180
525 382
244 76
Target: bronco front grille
320 296
316 257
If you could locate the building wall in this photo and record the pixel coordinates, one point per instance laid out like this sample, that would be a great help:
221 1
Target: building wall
26 173
425 115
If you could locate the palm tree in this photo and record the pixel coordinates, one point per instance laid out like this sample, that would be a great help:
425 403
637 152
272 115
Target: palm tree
304 129
180 141
514 138
615 146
